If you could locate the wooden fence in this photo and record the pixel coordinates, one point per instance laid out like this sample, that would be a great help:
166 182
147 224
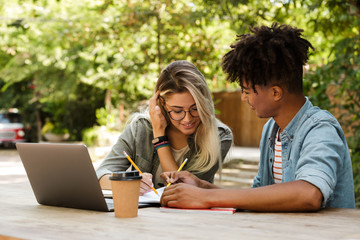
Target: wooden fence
244 123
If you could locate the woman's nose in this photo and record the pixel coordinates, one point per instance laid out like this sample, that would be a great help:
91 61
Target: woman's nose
188 116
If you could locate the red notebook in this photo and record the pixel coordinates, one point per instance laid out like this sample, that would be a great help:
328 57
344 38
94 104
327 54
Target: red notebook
197 210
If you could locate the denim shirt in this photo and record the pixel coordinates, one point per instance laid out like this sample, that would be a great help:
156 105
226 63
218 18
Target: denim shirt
314 149
136 140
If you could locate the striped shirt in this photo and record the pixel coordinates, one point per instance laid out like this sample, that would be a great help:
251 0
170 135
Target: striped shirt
277 166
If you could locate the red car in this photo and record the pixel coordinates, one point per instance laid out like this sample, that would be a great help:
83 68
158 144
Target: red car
11 127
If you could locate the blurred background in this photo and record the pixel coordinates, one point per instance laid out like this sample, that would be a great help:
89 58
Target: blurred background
74 71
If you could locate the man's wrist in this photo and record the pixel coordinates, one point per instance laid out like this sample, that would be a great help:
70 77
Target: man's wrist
202 184
206 184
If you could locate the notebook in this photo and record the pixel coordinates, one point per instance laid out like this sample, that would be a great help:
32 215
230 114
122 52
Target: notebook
63 175
149 199
199 210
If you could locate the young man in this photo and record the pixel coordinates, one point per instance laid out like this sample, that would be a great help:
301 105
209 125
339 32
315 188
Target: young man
305 163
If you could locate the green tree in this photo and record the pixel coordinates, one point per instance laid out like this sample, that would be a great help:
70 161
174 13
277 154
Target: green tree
115 47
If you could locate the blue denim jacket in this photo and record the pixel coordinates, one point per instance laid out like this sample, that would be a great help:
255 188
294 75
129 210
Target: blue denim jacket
314 149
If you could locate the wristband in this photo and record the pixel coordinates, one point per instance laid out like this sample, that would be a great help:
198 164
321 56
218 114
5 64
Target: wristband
160 145
159 139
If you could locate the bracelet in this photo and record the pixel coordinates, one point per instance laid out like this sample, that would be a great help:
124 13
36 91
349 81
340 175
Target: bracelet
163 144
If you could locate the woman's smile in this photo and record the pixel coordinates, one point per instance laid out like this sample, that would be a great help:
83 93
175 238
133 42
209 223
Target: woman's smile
188 125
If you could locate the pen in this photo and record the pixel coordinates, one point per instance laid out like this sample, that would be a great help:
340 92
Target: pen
182 165
132 162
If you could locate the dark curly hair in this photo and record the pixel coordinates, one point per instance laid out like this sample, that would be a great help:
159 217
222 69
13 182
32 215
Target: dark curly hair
270 56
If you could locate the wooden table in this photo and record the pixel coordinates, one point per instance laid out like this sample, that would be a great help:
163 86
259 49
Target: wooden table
22 217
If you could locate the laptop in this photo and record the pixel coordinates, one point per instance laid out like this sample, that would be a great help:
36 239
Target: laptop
63 175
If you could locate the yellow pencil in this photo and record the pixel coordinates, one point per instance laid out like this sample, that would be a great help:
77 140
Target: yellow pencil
182 165
132 162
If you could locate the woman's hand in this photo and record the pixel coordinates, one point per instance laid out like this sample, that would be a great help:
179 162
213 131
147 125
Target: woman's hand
158 120
181 177
146 183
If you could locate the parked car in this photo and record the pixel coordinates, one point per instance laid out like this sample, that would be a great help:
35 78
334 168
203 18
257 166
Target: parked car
11 127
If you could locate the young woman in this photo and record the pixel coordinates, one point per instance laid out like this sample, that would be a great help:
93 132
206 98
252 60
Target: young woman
180 123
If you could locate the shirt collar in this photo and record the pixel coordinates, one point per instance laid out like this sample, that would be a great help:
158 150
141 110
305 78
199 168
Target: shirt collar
290 129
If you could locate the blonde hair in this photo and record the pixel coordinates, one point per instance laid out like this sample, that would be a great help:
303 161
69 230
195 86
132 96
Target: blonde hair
182 76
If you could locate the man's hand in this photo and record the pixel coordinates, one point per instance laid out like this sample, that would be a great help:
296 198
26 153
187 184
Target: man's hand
184 196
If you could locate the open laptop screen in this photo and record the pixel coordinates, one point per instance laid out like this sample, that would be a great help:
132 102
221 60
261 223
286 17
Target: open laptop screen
62 175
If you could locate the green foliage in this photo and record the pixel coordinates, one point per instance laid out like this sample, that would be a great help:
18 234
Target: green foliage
58 46
315 85
49 127
105 117
90 136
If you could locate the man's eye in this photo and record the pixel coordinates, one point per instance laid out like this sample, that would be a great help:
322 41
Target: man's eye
177 111
193 109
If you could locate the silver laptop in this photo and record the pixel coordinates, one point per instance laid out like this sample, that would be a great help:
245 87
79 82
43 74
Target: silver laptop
63 175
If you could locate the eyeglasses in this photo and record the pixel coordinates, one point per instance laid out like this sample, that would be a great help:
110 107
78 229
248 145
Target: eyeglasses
178 115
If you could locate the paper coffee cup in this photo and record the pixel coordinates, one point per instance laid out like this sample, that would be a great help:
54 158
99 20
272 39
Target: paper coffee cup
126 190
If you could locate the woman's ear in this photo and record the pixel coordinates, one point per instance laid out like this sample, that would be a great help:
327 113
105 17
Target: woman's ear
277 93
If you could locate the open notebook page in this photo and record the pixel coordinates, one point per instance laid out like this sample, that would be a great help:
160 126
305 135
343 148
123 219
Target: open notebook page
149 197
152 197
